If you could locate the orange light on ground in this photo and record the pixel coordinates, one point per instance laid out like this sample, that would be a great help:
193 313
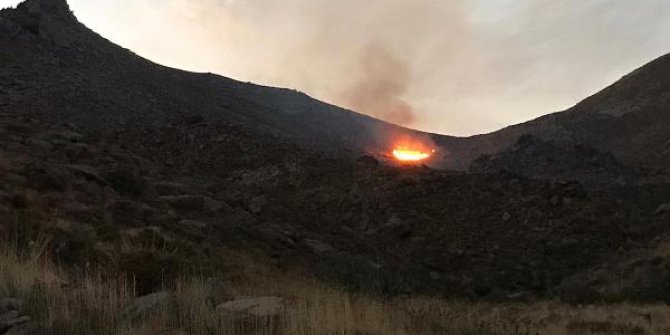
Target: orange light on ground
408 155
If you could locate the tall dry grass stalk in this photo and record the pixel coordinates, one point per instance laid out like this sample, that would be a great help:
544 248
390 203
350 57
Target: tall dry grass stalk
94 305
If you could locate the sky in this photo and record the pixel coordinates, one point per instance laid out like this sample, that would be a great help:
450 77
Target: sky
457 67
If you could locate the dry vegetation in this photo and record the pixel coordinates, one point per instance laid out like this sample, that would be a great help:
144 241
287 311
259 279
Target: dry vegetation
95 306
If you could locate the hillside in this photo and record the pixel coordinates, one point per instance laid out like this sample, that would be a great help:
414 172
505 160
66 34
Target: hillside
621 119
127 169
62 72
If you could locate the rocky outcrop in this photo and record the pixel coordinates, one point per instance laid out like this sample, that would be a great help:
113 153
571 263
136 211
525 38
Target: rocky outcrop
13 321
261 307
147 305
535 158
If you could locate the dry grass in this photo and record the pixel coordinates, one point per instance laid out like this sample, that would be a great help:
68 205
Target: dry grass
95 305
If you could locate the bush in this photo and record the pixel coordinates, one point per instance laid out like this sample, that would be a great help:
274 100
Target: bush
150 270
126 182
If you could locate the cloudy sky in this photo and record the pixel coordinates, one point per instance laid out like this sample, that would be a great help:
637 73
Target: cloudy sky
457 67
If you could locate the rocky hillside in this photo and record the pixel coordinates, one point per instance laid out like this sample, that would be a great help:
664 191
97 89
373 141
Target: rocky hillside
628 119
141 170
55 68
367 226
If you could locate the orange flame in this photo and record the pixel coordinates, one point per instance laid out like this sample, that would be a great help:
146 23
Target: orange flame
407 149
408 155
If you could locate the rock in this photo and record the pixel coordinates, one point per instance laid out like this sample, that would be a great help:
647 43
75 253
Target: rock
16 199
16 180
128 213
39 144
519 296
159 217
87 172
213 206
662 209
261 307
169 188
11 319
27 329
166 331
19 127
216 292
368 161
11 304
195 224
398 228
71 241
506 216
287 238
126 181
44 178
434 276
79 212
78 151
318 246
63 137
256 204
147 304
185 202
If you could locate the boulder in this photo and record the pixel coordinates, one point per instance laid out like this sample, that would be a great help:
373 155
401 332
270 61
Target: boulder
257 203
87 172
213 206
43 178
39 144
506 216
79 151
318 246
147 304
368 161
12 319
195 224
128 213
63 137
165 188
216 292
261 307
27 329
16 199
662 209
185 202
11 304
16 180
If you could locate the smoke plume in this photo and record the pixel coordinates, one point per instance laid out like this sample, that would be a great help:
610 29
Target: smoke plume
451 66
380 89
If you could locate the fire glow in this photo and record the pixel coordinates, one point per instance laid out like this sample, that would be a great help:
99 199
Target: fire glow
408 155
408 149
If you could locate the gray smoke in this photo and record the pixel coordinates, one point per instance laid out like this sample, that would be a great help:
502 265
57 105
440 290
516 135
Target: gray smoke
452 66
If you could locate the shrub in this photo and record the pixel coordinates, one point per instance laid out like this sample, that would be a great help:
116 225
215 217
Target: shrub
126 182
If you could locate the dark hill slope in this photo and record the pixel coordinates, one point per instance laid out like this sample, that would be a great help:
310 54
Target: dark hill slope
629 119
371 227
53 67
100 148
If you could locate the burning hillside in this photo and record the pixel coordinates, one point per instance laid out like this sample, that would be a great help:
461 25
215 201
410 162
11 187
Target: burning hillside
408 149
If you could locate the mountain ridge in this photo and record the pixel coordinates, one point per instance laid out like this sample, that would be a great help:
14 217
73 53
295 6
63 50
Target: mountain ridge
164 93
97 74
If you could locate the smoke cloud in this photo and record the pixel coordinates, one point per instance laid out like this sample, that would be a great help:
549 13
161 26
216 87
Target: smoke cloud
451 66
379 92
